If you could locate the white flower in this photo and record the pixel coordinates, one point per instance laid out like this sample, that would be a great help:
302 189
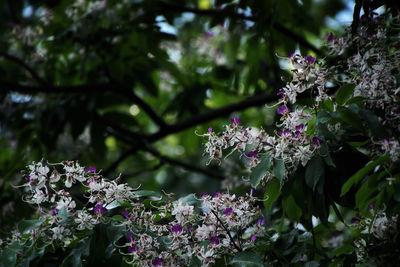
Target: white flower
60 232
182 212
67 202
84 220
204 232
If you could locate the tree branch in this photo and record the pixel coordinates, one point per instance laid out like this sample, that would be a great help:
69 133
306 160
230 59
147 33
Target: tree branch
213 114
50 89
216 12
183 165
147 109
120 159
33 73
356 16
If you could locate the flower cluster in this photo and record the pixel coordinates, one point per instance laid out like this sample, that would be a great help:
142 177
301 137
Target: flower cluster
167 233
306 75
374 66
292 143
381 227
228 225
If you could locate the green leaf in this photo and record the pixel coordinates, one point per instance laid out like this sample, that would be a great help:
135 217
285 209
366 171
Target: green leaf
337 212
194 262
247 259
115 232
26 225
324 152
8 256
355 100
315 170
370 117
366 192
63 214
356 178
351 118
323 131
271 193
260 170
279 169
188 200
346 249
147 193
344 93
292 210
74 257
328 105
322 117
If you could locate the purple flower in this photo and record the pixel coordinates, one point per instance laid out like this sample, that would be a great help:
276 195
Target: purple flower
214 240
236 120
208 34
130 236
372 205
48 234
157 262
260 222
291 54
132 248
205 195
286 132
252 154
316 141
283 110
281 94
253 238
54 211
251 191
189 228
125 214
228 211
296 134
310 59
91 169
210 130
331 37
356 219
177 229
99 209
217 194
28 178
299 127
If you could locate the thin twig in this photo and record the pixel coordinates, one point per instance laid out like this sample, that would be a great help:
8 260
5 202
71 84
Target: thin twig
228 232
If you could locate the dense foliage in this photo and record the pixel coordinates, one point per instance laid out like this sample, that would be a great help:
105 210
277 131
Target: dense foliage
122 84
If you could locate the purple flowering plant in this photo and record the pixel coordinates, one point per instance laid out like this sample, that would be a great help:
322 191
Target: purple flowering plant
312 190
